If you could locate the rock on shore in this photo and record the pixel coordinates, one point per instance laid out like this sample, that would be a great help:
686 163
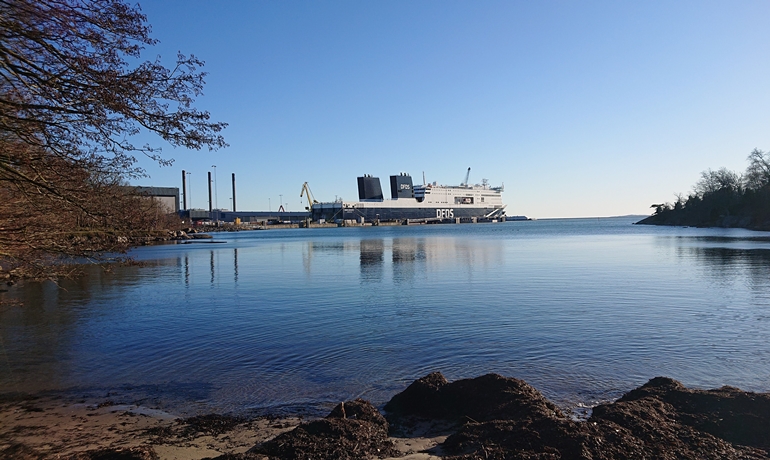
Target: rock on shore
353 430
488 417
495 417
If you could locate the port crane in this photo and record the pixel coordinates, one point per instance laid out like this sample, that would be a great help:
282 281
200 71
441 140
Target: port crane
310 198
467 176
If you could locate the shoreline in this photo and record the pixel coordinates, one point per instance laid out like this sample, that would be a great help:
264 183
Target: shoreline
52 426
744 222
34 427
486 417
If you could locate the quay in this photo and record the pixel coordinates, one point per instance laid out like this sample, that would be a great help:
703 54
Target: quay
275 222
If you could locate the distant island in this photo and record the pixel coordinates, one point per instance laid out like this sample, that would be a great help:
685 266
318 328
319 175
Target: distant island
723 198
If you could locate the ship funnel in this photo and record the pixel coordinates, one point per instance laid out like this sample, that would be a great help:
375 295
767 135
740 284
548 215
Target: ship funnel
369 188
401 186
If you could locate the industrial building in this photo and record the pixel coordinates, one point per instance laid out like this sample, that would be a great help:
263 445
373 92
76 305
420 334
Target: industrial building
168 197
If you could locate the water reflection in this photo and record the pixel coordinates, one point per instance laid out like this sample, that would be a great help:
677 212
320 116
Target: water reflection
211 264
728 260
402 259
323 248
372 258
409 255
43 324
328 315
235 264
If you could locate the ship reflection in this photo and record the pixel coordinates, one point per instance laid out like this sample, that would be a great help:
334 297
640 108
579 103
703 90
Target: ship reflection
408 259
403 259
372 258
411 258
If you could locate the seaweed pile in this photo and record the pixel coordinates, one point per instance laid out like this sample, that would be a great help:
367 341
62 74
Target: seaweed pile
505 418
500 418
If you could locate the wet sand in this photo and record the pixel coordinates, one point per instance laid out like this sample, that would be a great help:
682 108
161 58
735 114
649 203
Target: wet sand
490 416
56 427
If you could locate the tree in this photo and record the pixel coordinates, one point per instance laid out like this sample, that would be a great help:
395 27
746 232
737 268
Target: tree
74 217
661 208
714 181
73 94
758 172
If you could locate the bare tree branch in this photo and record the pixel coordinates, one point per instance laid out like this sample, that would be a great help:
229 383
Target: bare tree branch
73 92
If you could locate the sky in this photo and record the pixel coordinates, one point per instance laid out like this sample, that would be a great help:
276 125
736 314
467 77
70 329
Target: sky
580 109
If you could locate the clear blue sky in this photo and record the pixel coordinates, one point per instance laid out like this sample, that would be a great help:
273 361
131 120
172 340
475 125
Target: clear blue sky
579 108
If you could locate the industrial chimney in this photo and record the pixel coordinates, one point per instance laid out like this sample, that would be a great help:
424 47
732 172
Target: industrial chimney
233 192
211 209
184 191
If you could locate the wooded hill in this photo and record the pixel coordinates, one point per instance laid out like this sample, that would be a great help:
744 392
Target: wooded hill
723 198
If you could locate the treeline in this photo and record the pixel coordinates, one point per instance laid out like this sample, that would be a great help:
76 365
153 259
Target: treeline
723 198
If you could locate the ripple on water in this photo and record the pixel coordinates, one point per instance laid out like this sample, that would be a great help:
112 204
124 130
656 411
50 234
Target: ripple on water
584 310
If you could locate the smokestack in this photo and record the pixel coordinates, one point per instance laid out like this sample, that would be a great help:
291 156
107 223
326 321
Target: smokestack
210 208
233 192
184 191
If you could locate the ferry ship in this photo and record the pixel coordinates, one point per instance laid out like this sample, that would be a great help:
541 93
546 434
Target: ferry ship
415 203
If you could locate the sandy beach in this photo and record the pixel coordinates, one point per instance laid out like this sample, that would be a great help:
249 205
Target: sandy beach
490 417
56 427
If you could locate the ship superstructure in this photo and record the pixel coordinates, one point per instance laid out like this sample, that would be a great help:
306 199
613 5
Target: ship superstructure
417 203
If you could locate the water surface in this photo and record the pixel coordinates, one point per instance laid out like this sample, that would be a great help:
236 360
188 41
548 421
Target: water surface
286 320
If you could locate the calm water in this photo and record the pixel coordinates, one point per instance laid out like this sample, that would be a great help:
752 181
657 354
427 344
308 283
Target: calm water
288 320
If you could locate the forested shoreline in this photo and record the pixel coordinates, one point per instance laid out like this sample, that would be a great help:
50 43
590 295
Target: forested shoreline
723 198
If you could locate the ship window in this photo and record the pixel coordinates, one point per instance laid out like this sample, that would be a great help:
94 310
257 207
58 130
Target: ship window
482 199
463 200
